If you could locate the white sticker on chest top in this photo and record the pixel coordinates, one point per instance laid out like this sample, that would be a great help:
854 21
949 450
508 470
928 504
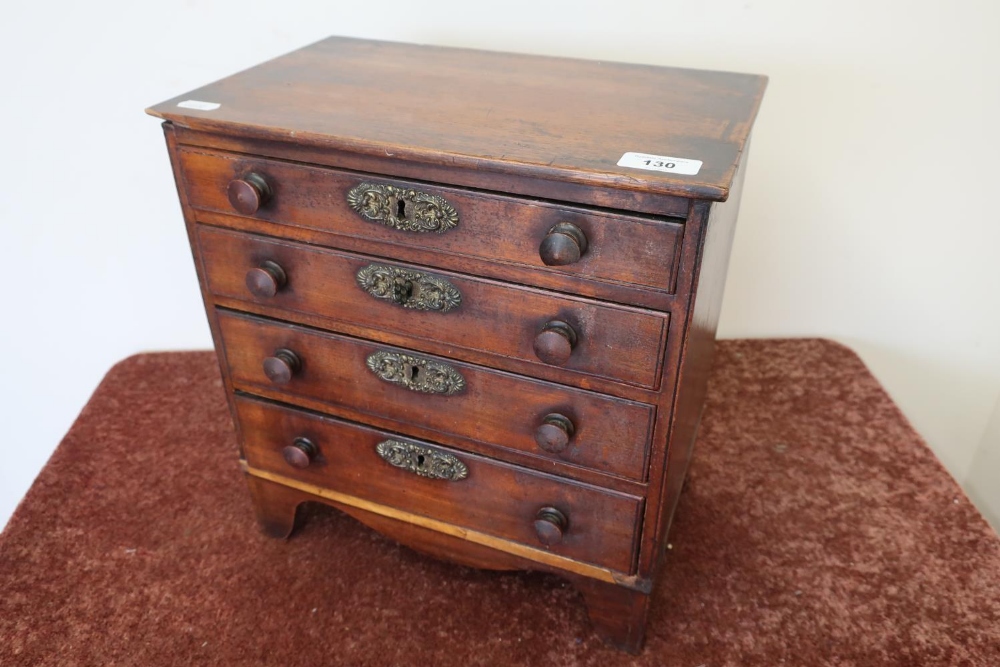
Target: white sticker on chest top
671 165
199 105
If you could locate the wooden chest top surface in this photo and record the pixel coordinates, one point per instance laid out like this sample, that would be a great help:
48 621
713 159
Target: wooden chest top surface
557 119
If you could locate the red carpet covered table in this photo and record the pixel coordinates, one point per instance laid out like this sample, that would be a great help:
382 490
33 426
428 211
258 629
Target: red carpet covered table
816 528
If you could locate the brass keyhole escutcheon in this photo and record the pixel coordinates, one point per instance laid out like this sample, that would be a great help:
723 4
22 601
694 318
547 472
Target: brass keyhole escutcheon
402 290
408 288
415 373
401 209
422 460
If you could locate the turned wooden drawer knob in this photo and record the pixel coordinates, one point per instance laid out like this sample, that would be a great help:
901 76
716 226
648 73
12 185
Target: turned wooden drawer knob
563 244
266 279
300 453
550 524
554 432
555 343
280 368
249 193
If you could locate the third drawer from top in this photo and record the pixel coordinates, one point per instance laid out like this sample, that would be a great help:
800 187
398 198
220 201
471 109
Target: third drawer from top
427 396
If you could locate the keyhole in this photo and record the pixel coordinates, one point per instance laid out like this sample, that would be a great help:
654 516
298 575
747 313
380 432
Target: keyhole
420 460
400 209
414 371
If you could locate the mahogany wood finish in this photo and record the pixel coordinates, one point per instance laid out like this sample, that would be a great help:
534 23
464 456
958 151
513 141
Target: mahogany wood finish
494 497
497 409
551 526
249 193
597 245
554 433
281 367
564 244
300 453
496 112
505 321
265 281
275 506
442 307
618 613
555 343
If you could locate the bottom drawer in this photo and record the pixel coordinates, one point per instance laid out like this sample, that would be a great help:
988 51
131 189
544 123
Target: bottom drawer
463 489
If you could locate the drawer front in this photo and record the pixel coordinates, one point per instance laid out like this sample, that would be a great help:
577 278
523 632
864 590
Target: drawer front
445 484
619 249
617 343
357 378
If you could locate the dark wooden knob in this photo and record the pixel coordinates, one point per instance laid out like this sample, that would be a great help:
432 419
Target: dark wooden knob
550 524
300 453
563 244
554 432
280 368
554 344
249 193
266 279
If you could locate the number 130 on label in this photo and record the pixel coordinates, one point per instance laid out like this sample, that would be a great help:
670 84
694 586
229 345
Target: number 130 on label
671 165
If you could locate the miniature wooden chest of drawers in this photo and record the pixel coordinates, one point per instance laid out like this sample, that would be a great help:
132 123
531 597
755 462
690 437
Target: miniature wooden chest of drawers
469 298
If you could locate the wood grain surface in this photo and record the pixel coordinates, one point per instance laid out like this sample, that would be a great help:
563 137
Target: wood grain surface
494 408
500 319
555 333
552 118
622 249
495 498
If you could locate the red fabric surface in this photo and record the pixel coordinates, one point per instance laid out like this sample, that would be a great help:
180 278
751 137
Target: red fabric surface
816 528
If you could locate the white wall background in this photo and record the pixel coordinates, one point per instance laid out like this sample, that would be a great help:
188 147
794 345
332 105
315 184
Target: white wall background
868 214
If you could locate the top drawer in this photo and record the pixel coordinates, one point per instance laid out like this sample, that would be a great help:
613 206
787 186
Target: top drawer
613 248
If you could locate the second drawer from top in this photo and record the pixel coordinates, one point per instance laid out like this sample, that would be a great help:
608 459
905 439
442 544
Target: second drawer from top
573 336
